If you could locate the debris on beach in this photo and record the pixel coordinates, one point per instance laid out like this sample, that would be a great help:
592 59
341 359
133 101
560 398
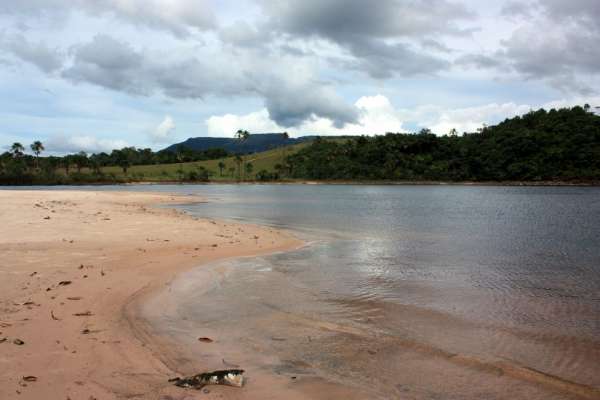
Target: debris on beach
29 378
74 298
18 342
205 340
228 377
64 283
54 316
83 314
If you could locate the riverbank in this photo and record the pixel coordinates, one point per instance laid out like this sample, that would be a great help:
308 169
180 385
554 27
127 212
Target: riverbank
575 183
72 263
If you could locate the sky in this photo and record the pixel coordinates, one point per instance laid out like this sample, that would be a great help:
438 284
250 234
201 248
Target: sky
94 75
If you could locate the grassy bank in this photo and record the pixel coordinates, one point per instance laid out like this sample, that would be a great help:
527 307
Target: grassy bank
267 161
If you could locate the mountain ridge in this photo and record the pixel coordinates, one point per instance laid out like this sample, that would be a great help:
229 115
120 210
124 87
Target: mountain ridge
256 142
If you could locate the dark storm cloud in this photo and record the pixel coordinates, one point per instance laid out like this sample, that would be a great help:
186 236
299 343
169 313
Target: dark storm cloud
379 35
341 19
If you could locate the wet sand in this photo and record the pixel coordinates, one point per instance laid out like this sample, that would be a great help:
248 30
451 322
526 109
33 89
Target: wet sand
303 346
72 268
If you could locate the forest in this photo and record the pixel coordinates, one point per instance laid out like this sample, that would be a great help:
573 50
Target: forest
555 145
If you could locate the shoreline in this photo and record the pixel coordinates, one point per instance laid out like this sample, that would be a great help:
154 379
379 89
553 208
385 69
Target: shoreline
334 182
121 256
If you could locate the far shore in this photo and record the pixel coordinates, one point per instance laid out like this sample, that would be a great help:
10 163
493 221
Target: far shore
581 183
72 262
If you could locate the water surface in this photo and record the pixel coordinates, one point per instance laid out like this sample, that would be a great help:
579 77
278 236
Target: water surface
400 277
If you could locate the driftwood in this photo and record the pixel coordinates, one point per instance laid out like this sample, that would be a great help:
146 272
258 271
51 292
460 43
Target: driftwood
229 377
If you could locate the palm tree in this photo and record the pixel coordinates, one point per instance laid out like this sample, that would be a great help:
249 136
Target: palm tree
17 149
37 147
239 160
241 136
285 136
221 167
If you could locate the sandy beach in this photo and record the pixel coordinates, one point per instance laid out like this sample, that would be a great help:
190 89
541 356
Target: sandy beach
72 265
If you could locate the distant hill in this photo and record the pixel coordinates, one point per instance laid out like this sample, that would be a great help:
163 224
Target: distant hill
556 145
257 142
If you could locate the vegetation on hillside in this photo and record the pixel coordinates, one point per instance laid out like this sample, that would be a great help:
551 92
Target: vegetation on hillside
559 145
541 145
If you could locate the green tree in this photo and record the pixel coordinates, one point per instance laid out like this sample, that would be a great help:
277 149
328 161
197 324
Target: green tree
17 149
37 147
249 168
221 167
241 135
81 160
279 168
180 173
239 160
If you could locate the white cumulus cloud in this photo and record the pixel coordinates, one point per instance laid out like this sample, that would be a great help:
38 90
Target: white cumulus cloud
377 116
60 144
162 133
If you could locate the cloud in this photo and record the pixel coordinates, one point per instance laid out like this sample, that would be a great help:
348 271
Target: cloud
290 91
566 55
38 54
180 17
375 115
378 116
339 20
90 144
109 63
257 122
514 9
384 39
579 11
162 133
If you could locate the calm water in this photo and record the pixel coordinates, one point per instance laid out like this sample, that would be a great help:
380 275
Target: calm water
492 273
489 273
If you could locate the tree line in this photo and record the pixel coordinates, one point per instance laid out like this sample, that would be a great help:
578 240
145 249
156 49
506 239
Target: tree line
17 167
541 145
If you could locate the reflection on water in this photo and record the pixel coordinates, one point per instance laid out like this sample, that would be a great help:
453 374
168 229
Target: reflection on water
509 274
